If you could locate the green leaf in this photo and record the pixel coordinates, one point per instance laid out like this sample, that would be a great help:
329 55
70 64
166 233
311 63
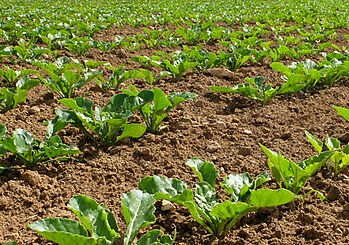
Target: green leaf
313 164
286 172
95 218
233 184
153 238
204 170
11 243
149 238
205 197
239 185
82 105
138 209
134 130
3 131
342 112
171 189
281 68
160 100
54 147
318 145
23 140
270 198
332 144
2 169
63 231
228 209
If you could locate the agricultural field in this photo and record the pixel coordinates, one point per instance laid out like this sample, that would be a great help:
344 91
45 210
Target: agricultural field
174 122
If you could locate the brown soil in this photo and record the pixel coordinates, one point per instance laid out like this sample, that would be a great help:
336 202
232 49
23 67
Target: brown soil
221 128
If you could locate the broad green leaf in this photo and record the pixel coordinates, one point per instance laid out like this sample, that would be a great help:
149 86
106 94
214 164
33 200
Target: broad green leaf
171 189
342 111
238 185
332 144
82 105
23 140
160 100
345 162
270 198
149 238
95 218
63 231
281 68
230 211
11 243
233 184
313 164
179 97
205 197
138 209
318 145
134 130
205 171
286 172
153 238
54 147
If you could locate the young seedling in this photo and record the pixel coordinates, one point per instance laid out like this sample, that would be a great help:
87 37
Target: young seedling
11 97
342 112
254 89
109 124
97 224
154 113
31 151
339 159
293 176
216 217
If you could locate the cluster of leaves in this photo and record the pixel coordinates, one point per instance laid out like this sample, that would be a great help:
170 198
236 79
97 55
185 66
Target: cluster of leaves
216 217
300 76
308 74
98 225
110 124
338 158
65 75
30 150
20 83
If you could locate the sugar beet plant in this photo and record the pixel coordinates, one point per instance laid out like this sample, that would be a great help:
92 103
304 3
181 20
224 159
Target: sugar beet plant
216 217
10 97
98 225
65 76
30 151
108 125
293 176
339 159
254 89
155 112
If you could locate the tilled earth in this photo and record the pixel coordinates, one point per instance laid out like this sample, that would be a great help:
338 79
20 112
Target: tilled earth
224 129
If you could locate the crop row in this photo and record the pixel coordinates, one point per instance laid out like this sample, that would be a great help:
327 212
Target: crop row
98 225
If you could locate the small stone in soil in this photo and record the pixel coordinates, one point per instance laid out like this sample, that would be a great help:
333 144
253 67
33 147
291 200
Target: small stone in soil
246 131
166 206
245 151
33 110
213 147
333 194
32 177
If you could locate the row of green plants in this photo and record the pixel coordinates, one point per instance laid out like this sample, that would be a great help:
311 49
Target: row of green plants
66 75
105 126
205 32
194 21
98 226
